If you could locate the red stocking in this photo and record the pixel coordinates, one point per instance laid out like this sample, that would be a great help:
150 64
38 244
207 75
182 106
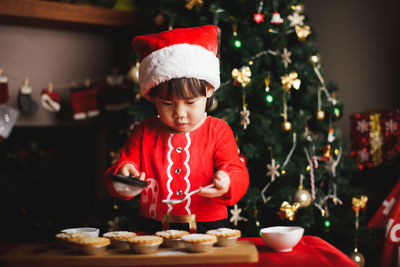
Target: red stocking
78 105
4 95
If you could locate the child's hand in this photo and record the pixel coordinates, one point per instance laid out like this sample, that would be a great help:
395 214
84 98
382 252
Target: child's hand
220 187
129 169
128 190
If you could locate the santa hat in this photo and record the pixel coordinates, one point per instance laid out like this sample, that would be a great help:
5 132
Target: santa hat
178 53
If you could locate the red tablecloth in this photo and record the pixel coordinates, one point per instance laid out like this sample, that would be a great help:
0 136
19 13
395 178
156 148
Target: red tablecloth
311 251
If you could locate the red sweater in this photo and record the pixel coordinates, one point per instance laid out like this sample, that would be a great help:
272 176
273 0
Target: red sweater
177 163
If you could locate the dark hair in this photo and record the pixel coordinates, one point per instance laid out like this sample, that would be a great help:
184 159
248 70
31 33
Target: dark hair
183 88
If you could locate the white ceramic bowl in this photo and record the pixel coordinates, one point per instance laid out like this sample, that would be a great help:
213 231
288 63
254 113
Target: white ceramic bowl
90 231
282 238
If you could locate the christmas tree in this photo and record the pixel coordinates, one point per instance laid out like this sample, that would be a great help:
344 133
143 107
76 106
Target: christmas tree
282 112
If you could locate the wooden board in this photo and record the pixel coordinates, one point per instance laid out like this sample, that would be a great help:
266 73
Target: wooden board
52 255
57 11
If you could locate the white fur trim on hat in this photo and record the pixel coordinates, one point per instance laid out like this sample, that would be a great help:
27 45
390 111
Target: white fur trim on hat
178 61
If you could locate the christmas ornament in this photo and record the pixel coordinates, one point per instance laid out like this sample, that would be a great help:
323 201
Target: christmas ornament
269 98
302 196
302 32
336 112
25 101
326 153
320 114
258 17
286 126
242 75
8 118
327 223
159 20
267 81
193 3
291 80
244 117
236 42
272 171
235 218
296 19
299 8
358 203
133 73
315 59
4 93
358 258
288 211
50 100
276 18
312 163
331 135
286 57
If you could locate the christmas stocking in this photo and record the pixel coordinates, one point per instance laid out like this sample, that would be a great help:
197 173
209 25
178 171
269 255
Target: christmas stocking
8 118
25 101
91 104
77 103
4 95
50 99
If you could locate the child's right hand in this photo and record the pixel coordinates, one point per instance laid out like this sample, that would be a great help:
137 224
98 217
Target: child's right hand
128 190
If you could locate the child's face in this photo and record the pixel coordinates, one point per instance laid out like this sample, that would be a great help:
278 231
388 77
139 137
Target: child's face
182 115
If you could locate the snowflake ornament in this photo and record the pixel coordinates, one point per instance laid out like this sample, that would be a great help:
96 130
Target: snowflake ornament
362 126
391 126
236 215
273 170
363 156
286 57
296 19
244 117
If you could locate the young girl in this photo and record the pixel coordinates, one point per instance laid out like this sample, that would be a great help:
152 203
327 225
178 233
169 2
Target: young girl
181 149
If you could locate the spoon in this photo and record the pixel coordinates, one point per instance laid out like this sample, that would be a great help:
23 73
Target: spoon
180 200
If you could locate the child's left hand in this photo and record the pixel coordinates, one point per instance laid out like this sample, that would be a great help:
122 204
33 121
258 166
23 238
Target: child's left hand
220 187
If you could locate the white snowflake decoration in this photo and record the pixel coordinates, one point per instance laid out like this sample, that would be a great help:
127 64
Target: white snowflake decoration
363 156
236 215
244 117
296 19
362 126
286 57
273 170
391 126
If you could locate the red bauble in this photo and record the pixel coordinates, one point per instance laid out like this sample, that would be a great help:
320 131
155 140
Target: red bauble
258 17
243 158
